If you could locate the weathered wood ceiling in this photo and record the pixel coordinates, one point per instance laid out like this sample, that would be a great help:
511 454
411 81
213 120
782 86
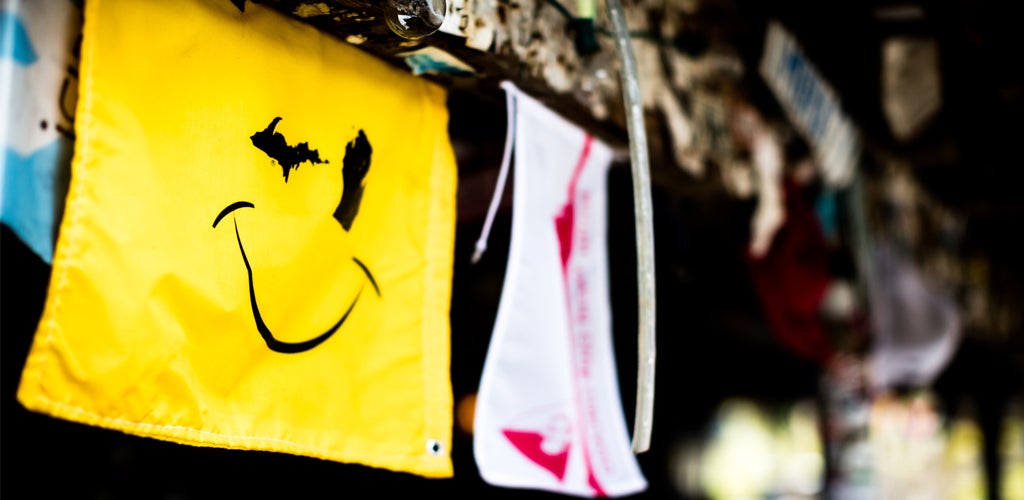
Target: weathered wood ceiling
697 55
531 42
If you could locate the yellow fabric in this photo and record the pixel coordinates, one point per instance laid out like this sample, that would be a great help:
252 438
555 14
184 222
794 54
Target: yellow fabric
149 326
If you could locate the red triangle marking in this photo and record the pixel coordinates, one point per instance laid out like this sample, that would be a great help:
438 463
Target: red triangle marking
529 444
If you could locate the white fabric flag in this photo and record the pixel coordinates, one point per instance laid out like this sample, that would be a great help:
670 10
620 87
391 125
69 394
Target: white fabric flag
548 413
916 323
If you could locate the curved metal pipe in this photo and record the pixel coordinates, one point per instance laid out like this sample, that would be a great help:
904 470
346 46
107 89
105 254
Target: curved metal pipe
644 216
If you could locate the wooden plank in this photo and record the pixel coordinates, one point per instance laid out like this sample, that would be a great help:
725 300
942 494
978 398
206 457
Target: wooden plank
361 23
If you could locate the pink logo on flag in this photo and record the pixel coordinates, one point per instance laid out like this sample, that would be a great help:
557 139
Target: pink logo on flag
548 447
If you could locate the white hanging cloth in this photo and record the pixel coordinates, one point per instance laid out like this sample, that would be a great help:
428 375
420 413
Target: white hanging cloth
916 324
548 413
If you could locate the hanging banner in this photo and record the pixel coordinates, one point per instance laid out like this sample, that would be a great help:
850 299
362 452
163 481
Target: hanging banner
792 278
548 413
811 104
257 248
915 323
38 92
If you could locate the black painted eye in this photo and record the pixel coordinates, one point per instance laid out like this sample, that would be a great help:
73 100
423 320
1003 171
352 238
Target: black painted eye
288 157
355 166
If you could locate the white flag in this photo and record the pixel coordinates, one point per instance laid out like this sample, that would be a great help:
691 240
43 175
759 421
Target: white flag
916 323
548 412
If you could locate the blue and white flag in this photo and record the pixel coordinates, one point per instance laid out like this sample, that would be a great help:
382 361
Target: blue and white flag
39 91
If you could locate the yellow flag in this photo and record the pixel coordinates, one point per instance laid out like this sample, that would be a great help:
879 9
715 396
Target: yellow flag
257 247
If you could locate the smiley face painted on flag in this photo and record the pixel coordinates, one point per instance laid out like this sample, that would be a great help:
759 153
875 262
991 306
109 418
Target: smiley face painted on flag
257 247
356 164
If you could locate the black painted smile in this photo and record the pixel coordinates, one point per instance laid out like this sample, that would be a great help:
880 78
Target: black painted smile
272 342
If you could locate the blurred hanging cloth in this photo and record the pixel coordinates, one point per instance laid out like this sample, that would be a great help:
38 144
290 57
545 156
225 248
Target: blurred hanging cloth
915 322
38 90
257 246
548 412
791 280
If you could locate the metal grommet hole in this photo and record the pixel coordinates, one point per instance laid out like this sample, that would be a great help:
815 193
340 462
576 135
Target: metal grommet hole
434 447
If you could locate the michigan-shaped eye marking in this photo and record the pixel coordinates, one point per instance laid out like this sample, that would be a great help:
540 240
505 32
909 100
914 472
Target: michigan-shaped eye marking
276 146
355 166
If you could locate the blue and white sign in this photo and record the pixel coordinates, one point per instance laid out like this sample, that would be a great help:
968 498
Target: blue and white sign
812 105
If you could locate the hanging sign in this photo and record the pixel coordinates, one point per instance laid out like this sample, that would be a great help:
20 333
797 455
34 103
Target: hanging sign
811 104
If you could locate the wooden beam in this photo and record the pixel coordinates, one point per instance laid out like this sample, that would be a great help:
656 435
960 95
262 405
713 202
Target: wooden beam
526 63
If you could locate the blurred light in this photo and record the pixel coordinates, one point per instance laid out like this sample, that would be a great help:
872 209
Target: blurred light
752 455
465 412
739 462
1013 452
964 461
915 458
685 468
803 472
803 467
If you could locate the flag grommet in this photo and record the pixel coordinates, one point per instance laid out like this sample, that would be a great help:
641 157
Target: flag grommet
434 447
